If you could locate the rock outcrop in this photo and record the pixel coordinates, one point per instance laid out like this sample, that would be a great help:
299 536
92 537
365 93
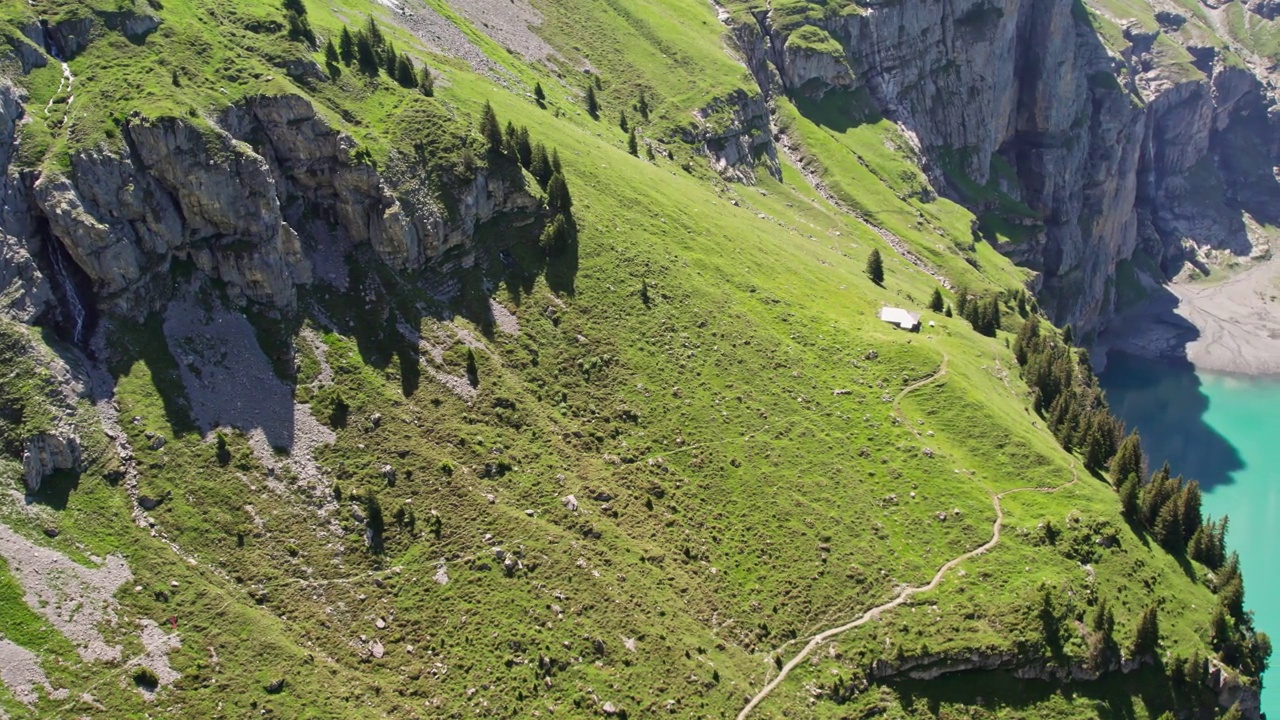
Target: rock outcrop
1106 144
232 197
47 453
734 131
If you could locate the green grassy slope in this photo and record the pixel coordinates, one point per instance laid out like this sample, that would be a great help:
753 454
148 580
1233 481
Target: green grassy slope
751 504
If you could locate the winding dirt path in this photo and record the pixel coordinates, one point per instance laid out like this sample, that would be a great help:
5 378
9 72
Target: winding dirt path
907 591
897 401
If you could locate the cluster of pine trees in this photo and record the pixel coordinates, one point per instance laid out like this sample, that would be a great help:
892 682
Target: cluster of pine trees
372 53
641 107
1168 508
514 143
1066 393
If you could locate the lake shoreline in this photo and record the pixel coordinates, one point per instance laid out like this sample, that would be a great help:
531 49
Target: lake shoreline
1229 328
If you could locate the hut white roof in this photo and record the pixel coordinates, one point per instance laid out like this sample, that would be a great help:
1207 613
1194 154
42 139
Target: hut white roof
902 318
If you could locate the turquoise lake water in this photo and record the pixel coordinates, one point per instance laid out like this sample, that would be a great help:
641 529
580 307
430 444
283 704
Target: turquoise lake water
1225 432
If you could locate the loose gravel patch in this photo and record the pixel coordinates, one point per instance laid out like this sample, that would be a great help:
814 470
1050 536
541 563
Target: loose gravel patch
75 599
21 673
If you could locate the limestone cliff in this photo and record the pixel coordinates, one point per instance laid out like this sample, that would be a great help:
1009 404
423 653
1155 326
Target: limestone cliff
249 200
1114 145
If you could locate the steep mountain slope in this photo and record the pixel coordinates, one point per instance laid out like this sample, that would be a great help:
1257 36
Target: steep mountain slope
326 410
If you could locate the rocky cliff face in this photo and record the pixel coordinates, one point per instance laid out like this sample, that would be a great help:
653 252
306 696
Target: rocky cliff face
1112 147
249 200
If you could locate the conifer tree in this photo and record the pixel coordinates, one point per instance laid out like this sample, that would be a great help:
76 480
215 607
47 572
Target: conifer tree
405 76
935 301
593 105
390 60
373 32
346 46
1068 335
330 53
540 164
366 54
1168 525
642 106
1129 497
1128 459
1147 637
524 149
632 146
948 312
1192 517
490 130
558 198
555 161
622 121
539 96
875 267
510 140
426 83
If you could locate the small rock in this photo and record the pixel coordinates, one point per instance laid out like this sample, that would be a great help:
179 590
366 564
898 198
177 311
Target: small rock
570 502
491 498
376 649
611 709
380 624
173 583
51 532
388 474
136 420
275 686
530 513
376 419
499 553
157 442
942 516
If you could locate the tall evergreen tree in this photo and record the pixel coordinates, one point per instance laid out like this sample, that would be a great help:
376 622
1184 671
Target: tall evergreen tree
593 105
510 140
426 83
366 54
1192 517
524 148
1128 459
642 106
540 165
1129 497
390 60
1147 637
1068 335
558 198
346 46
490 130
875 267
405 76
539 96
374 32
330 53
935 301
632 145
622 121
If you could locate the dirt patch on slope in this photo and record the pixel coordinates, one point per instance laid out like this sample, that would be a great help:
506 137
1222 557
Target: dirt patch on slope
75 599
20 671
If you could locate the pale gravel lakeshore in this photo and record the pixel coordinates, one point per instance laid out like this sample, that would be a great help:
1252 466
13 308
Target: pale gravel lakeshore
1228 327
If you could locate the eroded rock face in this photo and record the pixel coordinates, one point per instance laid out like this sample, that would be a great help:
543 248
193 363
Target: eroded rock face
230 199
735 133
1107 166
47 453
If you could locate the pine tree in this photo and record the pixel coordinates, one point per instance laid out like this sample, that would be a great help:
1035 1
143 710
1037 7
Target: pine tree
1147 637
524 149
642 106
1128 459
539 96
1103 621
374 32
366 54
622 121
346 46
390 60
593 106
490 130
426 83
510 140
555 161
1129 497
648 152
875 267
330 53
540 165
962 301
632 146
935 302
1022 303
405 76
948 312
1219 629
558 198
1068 335
557 235
1192 517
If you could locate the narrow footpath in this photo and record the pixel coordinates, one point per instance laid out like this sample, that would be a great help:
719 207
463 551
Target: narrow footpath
907 591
